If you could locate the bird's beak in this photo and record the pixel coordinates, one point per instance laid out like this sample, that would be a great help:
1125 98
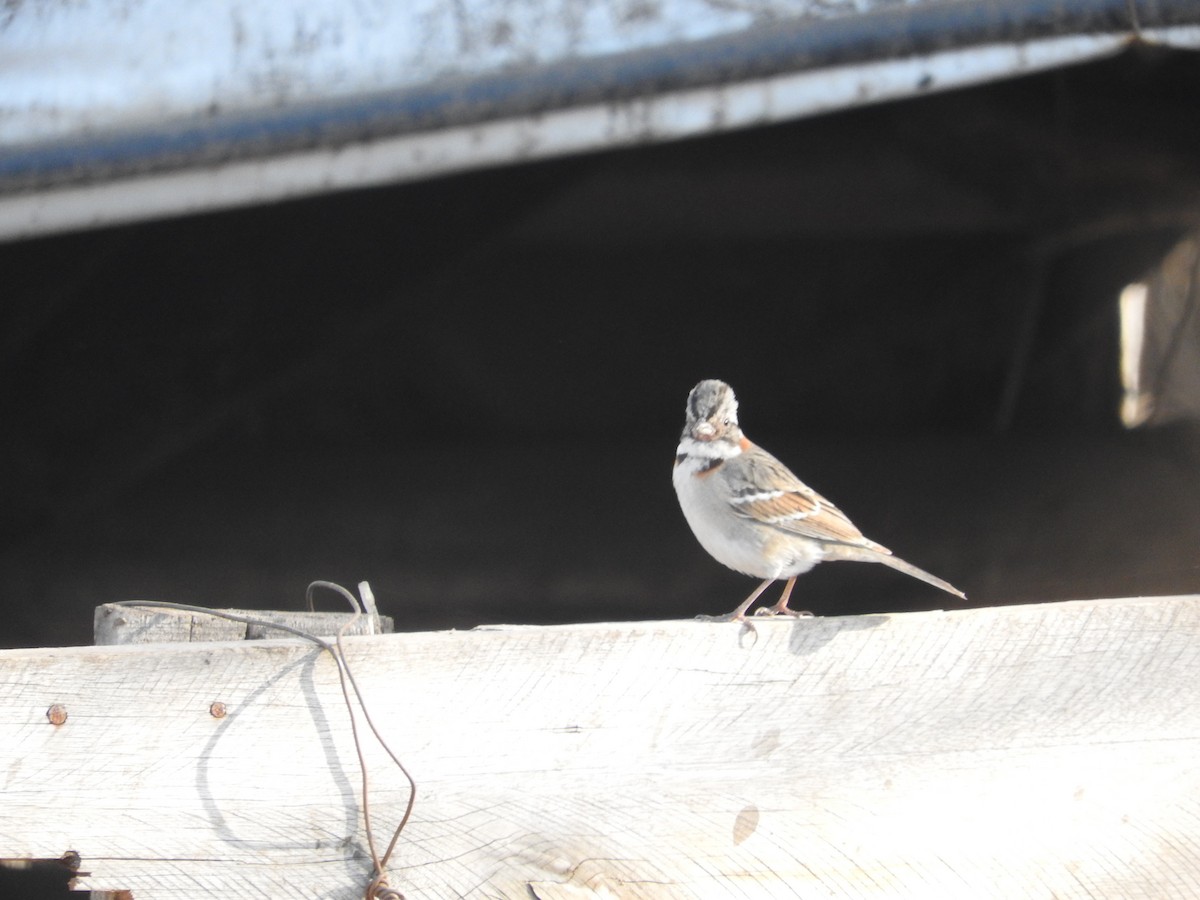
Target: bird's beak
704 432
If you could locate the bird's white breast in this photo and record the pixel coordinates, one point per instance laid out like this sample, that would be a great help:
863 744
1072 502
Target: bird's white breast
730 539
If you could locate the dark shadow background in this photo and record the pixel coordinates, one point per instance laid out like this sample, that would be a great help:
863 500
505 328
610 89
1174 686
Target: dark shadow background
468 391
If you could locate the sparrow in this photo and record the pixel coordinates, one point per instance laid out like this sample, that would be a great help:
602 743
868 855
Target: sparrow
752 514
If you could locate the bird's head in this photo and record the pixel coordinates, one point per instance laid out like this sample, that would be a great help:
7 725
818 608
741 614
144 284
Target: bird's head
712 414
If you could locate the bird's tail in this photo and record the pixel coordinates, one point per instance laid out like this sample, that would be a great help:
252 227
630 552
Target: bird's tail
909 569
883 555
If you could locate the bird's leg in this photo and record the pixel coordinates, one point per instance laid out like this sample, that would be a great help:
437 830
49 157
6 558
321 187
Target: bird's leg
781 608
739 614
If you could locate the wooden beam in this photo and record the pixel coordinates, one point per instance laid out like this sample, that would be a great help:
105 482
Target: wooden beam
1048 750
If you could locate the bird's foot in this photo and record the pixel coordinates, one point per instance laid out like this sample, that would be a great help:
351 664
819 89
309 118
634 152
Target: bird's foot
778 610
728 617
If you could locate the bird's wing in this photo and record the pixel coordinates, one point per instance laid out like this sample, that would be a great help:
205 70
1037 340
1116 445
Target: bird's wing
764 490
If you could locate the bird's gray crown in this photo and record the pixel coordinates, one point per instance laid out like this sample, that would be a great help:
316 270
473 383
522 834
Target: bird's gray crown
712 399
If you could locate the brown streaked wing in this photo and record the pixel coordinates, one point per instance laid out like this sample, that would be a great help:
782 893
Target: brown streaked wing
799 510
807 514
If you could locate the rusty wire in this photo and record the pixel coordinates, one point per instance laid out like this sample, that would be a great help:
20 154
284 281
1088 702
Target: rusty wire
378 887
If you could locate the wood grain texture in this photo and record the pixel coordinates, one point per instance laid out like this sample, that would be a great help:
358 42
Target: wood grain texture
120 624
1035 751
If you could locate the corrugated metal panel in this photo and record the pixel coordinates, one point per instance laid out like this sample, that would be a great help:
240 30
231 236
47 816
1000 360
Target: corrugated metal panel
119 111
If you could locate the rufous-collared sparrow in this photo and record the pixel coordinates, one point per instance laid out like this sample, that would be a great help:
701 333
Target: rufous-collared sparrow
752 514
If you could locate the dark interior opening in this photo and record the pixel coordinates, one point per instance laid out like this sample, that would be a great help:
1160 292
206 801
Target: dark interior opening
468 391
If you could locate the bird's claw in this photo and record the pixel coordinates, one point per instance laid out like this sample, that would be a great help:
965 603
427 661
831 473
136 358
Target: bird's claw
773 611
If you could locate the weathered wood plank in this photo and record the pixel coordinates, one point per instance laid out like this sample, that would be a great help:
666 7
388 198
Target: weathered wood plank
118 624
1017 752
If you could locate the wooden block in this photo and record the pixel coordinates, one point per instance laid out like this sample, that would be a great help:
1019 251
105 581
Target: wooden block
120 624
1031 751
